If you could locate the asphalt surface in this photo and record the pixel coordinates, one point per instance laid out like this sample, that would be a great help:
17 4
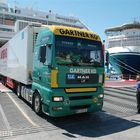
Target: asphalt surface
118 120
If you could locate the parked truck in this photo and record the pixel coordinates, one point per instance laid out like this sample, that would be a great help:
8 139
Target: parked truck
59 70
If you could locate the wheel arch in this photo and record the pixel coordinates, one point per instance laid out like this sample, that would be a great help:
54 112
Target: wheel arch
36 91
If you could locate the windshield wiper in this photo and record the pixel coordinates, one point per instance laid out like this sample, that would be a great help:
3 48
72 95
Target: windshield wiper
97 64
91 62
75 63
68 64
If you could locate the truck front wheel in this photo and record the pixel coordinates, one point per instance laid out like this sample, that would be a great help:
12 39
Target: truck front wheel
37 104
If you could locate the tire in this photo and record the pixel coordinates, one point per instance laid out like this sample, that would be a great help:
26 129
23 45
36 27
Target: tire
19 91
37 106
3 81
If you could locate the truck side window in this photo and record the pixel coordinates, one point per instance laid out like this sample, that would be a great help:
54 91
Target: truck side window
43 54
48 55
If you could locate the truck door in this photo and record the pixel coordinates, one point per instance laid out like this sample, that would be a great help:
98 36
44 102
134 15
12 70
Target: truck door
45 62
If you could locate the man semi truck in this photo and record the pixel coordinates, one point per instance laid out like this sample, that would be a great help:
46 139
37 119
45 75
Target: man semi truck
58 70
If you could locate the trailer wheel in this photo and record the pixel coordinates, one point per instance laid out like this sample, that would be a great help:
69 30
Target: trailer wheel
19 91
37 104
3 81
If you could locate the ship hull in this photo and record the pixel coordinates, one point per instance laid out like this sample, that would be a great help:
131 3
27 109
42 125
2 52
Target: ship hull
123 44
126 63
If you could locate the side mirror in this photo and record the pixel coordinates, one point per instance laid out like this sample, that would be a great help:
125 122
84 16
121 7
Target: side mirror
50 66
107 58
43 54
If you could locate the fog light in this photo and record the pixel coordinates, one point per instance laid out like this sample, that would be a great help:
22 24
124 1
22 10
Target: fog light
95 99
101 96
56 108
57 99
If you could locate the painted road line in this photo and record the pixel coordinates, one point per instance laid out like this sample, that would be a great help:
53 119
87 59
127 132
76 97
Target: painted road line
5 118
20 109
113 86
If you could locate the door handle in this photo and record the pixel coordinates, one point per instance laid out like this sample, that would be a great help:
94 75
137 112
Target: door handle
39 77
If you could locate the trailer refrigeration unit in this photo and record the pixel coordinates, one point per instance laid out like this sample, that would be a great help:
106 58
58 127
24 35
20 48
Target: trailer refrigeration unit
58 70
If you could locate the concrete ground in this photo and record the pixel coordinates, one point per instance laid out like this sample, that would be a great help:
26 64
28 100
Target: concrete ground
118 120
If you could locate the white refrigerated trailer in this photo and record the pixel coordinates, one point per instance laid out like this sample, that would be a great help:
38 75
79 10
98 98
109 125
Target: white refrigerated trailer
16 56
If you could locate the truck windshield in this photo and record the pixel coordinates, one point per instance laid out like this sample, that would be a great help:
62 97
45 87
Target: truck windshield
77 51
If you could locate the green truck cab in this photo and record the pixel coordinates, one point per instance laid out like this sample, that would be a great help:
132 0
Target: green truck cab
68 72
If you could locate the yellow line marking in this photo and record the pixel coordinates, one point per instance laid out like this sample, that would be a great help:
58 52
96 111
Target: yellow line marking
24 114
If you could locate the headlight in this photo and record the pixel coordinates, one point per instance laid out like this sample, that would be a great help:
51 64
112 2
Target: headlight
57 99
101 96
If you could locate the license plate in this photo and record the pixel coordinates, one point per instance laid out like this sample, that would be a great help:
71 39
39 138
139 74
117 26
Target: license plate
81 110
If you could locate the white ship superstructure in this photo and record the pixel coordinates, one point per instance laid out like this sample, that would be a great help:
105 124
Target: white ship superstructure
124 47
10 15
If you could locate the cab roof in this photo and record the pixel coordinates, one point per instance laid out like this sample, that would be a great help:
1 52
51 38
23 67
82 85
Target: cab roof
73 32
